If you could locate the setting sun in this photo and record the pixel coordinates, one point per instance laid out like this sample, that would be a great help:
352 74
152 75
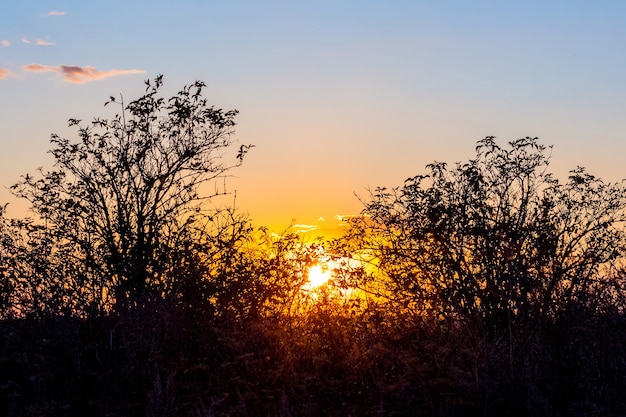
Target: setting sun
318 276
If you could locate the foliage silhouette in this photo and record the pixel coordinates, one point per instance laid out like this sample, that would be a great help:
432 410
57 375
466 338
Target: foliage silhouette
122 195
498 238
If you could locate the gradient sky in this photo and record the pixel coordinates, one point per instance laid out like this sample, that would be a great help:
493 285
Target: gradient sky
337 96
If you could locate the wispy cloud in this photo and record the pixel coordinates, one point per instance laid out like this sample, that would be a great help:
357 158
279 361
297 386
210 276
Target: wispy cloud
79 75
55 13
43 42
304 228
3 73
5 43
345 217
38 41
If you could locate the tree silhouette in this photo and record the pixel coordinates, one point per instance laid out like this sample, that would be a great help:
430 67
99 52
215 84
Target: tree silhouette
6 258
119 198
497 238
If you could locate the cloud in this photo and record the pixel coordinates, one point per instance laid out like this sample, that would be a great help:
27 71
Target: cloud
38 41
38 68
55 13
5 43
3 73
345 217
42 42
79 75
304 228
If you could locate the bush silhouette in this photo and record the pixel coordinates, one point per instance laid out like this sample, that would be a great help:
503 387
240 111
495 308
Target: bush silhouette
121 196
497 239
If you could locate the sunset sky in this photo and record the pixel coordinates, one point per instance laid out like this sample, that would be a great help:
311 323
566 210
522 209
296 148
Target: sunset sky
337 96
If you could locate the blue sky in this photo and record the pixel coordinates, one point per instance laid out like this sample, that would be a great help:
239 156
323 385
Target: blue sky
337 96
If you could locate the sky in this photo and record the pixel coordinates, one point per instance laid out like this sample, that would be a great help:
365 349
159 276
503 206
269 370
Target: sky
338 97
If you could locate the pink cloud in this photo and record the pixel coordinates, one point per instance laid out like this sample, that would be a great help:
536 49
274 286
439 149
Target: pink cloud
38 68
3 73
79 75
55 13
25 40
42 42
5 43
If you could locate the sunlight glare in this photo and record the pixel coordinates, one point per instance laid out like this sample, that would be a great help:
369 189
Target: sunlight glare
318 276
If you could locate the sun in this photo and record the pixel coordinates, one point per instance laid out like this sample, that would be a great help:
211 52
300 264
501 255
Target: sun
318 276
